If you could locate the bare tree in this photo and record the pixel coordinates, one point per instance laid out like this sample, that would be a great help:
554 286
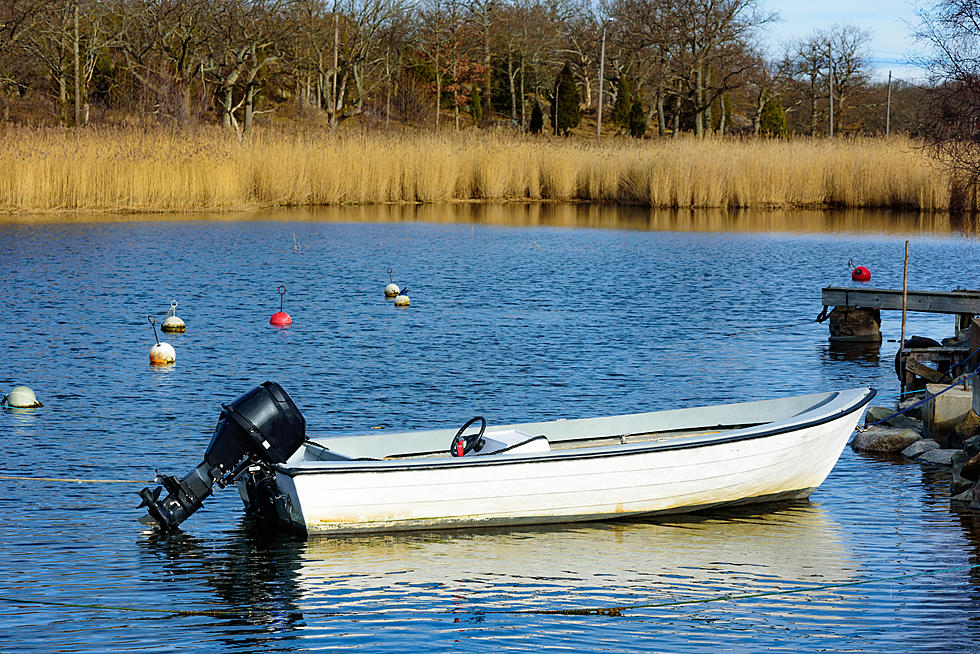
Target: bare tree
165 44
68 39
18 17
713 30
951 31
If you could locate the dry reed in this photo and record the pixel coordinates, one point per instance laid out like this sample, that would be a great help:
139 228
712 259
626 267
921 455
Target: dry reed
45 170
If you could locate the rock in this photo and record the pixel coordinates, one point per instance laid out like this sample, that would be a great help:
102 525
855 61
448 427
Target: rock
971 469
975 499
965 496
959 484
962 339
853 325
943 413
972 445
969 427
920 447
884 439
938 457
908 402
899 421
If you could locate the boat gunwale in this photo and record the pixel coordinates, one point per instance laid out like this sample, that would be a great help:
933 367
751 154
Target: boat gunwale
390 465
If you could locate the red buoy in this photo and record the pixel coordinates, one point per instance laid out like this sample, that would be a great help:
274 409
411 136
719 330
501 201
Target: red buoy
281 318
861 274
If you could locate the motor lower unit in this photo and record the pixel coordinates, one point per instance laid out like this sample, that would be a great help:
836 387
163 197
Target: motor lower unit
261 428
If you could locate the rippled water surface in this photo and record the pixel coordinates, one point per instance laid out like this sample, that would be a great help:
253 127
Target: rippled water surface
518 314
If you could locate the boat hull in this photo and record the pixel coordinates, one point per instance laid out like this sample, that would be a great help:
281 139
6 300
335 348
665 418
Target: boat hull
597 484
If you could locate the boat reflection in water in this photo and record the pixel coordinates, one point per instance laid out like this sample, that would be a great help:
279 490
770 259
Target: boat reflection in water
586 565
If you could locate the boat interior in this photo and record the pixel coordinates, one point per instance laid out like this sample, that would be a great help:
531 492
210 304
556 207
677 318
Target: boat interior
702 423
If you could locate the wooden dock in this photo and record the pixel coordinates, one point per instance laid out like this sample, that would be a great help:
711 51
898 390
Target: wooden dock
963 303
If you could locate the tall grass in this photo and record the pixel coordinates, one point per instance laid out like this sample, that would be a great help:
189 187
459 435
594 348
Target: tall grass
44 170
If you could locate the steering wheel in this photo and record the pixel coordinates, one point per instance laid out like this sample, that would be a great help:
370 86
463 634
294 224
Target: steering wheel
465 444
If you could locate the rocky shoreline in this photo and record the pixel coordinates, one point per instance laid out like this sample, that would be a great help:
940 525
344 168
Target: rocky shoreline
942 431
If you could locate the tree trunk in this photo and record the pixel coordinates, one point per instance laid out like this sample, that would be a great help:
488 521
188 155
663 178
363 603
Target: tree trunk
438 94
226 105
78 74
760 102
334 101
661 122
677 116
63 98
698 102
510 78
709 116
523 103
487 116
249 108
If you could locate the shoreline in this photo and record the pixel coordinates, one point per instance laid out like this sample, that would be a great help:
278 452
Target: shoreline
161 171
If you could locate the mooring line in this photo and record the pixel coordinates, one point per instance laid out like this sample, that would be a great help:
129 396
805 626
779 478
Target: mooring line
217 613
612 611
959 381
616 611
769 329
77 481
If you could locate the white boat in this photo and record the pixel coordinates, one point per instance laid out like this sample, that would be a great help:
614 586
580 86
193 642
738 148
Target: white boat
572 470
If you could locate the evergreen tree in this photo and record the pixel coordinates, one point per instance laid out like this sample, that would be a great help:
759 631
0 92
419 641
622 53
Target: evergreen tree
537 119
565 109
637 120
772 120
621 109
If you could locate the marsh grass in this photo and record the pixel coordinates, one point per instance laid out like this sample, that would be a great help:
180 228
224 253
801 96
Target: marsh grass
127 170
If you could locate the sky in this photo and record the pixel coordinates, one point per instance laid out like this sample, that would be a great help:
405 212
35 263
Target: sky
888 20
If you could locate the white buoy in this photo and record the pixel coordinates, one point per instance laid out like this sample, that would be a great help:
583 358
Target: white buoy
161 354
391 290
21 397
402 300
173 324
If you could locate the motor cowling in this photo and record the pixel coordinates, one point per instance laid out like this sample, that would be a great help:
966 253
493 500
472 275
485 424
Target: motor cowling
262 427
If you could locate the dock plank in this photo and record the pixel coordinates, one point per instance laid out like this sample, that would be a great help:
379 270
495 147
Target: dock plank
953 302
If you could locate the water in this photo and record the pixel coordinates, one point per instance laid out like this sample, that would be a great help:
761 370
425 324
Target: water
517 314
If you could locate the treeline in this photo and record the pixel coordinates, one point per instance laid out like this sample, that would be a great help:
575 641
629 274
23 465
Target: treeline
666 66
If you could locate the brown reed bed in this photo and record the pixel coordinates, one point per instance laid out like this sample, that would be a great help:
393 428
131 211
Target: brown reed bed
139 170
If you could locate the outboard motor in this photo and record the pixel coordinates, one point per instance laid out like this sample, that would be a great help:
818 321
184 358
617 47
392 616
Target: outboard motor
261 427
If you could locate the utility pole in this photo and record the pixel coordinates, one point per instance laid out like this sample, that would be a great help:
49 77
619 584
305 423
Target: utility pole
602 65
888 109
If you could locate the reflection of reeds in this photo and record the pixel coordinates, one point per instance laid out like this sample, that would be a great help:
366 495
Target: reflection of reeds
158 170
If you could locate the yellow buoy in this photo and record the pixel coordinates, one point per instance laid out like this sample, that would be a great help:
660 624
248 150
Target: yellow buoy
21 397
173 324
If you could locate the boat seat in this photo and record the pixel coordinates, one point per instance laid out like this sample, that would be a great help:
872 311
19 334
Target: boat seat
511 441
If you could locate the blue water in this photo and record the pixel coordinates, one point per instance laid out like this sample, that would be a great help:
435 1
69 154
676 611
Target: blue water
592 312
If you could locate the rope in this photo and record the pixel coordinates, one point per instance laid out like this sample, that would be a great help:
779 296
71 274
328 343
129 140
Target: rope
960 380
217 613
614 611
76 481
766 329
